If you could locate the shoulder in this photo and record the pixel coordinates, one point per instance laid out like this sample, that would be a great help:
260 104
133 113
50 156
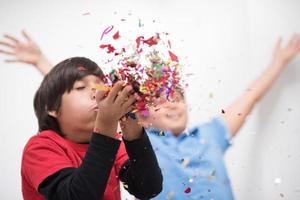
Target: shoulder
44 140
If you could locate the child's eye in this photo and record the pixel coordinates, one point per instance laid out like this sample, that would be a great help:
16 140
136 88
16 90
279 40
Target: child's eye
80 88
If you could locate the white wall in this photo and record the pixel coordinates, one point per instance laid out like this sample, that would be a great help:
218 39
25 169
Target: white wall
225 44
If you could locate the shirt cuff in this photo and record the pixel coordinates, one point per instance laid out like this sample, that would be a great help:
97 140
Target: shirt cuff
102 143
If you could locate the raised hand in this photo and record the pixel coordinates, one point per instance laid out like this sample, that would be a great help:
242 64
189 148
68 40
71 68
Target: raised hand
25 52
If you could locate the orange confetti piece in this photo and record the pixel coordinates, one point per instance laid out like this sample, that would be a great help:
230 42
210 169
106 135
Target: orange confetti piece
102 87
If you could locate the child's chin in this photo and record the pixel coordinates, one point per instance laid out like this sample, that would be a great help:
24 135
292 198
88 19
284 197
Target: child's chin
178 130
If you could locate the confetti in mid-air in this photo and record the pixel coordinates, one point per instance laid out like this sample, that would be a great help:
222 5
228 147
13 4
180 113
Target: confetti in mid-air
277 181
188 190
146 63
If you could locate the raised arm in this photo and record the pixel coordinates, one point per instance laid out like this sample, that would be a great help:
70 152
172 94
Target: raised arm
237 112
25 52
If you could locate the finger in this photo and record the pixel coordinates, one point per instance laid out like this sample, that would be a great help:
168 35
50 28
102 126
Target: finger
129 109
6 52
123 95
278 43
114 91
129 102
100 95
7 44
292 41
298 42
28 38
12 38
11 60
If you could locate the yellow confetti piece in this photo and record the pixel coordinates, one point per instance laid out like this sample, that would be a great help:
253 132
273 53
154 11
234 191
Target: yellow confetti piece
143 89
135 110
161 133
170 195
185 162
102 87
212 176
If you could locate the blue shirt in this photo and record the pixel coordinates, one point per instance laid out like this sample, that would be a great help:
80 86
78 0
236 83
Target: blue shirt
192 163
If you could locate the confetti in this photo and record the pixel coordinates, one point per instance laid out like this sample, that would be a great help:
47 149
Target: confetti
102 87
281 195
185 162
106 31
212 175
173 57
170 195
147 65
110 48
277 181
116 35
140 23
161 133
81 68
187 190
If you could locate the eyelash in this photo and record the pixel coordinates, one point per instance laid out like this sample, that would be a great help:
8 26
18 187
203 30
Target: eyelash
80 88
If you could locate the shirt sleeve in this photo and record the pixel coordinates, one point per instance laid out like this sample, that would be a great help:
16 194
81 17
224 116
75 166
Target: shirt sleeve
88 181
217 130
42 158
122 157
141 173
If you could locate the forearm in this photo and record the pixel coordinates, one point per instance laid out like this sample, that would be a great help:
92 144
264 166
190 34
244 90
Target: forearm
141 173
237 112
43 65
90 179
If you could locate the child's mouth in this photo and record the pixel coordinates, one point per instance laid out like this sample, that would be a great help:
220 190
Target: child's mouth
96 109
173 116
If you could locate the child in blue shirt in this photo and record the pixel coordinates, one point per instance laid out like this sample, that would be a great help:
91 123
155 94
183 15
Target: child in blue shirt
191 160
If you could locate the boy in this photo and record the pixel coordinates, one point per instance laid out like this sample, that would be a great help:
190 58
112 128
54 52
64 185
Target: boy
192 159
77 153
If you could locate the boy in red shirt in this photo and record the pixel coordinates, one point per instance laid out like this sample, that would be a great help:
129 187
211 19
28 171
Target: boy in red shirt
77 153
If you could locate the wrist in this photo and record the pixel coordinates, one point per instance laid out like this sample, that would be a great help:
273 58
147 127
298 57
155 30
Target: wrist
133 135
43 64
280 63
106 128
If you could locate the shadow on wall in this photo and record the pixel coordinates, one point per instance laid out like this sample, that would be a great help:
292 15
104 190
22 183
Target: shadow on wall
273 138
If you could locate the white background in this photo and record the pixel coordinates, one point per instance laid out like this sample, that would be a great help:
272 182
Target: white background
225 44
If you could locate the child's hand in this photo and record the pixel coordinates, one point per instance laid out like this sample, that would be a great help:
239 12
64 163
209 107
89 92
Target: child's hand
112 107
131 129
283 55
26 52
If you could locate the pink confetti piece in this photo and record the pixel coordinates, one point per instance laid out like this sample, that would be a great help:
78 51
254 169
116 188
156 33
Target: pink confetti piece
81 68
173 57
87 13
106 31
187 190
110 48
116 35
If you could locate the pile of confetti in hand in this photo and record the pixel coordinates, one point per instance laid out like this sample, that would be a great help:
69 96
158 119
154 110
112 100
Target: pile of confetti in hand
145 63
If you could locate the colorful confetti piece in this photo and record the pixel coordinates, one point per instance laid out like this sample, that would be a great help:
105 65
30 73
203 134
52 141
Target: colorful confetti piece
187 190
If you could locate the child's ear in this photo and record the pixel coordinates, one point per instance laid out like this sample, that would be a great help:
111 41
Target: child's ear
53 113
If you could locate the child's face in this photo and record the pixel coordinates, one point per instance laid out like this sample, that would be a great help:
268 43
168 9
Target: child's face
78 110
168 115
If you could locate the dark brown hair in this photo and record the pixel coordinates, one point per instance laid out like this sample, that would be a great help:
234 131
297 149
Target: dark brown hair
59 80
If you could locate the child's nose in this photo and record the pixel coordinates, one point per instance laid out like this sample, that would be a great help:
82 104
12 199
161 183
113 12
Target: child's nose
93 93
170 105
